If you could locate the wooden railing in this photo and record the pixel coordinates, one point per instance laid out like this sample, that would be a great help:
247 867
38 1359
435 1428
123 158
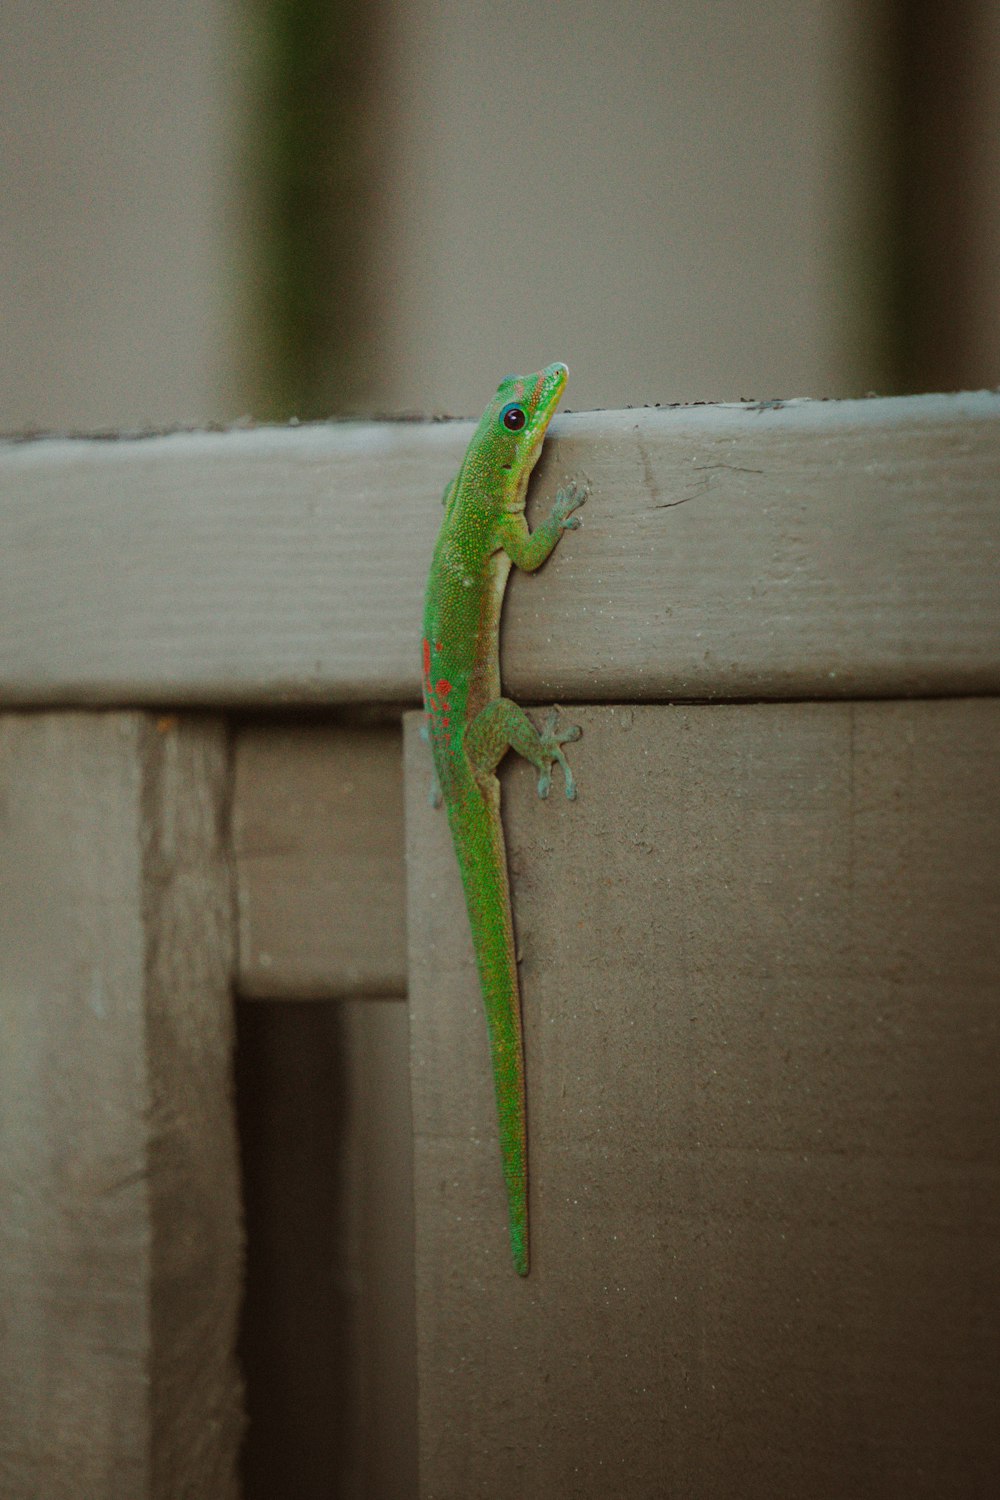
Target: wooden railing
760 955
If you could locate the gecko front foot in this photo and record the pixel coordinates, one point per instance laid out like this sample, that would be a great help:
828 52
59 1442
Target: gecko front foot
567 500
552 737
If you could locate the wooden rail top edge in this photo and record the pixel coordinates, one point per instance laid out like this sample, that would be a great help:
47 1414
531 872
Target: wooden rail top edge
799 410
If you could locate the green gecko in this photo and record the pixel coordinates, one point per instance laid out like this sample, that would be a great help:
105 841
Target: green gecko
471 726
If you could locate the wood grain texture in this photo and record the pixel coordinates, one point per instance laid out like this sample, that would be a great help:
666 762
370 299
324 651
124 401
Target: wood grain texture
119 1238
318 840
760 961
820 549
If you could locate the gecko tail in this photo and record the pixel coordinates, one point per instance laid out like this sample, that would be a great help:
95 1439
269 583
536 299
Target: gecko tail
519 1247
503 1019
508 1072
483 864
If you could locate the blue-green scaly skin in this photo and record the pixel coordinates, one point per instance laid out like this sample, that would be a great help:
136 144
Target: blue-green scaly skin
471 725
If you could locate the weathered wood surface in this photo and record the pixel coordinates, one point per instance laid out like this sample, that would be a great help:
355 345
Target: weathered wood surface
120 1239
819 549
760 963
318 841
328 1337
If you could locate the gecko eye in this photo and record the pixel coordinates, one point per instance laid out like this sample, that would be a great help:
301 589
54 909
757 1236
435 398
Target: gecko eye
513 417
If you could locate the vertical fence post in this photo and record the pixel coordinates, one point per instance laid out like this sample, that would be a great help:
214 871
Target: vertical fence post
120 1234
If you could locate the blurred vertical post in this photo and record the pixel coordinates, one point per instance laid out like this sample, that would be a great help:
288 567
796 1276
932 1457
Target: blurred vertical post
946 214
311 315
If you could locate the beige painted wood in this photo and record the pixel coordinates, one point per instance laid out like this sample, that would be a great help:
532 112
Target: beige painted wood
705 219
820 549
122 191
760 959
120 1237
318 840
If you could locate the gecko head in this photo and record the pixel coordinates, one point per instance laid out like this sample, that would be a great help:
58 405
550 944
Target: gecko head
514 424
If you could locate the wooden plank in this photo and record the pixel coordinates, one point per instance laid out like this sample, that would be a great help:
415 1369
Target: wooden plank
318 840
381 1187
735 269
799 549
760 962
120 1234
328 1342
117 297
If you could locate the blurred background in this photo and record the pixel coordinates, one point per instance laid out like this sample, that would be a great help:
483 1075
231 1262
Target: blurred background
304 208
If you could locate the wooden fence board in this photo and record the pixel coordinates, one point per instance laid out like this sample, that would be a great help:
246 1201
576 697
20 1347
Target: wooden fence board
760 961
817 549
318 844
120 1233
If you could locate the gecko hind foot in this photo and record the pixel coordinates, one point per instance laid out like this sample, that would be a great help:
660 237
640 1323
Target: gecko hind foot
553 737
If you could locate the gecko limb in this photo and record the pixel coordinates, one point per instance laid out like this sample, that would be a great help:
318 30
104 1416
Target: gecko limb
529 549
502 725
